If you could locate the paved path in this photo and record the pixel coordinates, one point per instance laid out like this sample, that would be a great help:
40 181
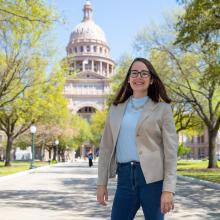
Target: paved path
67 192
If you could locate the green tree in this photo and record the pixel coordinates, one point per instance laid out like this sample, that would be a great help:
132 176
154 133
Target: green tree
199 23
97 125
82 130
183 150
23 42
24 56
41 102
194 76
186 119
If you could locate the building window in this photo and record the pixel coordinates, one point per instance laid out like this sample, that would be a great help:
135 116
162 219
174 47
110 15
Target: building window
110 69
75 49
94 49
81 49
201 152
202 139
88 48
100 49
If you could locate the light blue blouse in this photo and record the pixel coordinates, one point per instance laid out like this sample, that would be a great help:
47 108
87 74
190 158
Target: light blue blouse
126 149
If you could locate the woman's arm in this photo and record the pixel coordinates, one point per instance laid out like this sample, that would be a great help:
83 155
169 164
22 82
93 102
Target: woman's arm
170 142
105 151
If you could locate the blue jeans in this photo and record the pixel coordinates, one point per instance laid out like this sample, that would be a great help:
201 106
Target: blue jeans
133 191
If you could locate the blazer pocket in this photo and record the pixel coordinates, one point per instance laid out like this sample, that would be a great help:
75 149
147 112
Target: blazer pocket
153 165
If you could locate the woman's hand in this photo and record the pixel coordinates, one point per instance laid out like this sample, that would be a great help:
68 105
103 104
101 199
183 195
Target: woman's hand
166 202
102 195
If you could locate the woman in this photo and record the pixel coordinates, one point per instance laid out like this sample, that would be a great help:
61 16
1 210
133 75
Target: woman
140 144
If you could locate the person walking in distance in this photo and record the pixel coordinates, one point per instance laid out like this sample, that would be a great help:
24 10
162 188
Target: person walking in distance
90 157
139 143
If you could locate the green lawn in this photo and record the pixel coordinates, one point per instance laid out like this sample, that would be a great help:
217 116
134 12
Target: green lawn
198 169
18 166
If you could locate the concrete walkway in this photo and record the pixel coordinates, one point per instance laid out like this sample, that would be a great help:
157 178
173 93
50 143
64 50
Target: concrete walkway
67 192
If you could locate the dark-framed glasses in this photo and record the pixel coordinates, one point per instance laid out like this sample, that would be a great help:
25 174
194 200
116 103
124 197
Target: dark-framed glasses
143 73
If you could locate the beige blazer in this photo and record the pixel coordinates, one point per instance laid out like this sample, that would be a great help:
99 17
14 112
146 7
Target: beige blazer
156 140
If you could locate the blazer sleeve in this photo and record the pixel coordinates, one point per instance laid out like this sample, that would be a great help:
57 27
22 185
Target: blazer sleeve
105 151
170 142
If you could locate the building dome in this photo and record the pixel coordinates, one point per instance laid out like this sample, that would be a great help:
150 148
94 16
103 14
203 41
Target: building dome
88 30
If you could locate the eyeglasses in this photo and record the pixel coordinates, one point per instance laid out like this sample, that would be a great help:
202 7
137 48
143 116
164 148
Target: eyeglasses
143 73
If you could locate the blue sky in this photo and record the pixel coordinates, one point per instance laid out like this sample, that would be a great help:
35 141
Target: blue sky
120 20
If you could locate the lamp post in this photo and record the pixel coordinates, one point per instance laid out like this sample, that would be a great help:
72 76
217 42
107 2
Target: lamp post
57 143
33 131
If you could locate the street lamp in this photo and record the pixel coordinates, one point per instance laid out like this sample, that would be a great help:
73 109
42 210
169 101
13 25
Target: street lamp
57 143
33 131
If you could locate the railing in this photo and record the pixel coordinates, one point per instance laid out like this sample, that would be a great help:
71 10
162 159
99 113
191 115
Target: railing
85 92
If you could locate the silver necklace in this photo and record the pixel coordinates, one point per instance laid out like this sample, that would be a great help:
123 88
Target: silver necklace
137 107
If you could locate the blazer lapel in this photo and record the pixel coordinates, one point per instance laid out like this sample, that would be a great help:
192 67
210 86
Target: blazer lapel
148 109
119 113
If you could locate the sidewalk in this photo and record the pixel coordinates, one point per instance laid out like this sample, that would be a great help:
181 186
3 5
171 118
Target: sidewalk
67 192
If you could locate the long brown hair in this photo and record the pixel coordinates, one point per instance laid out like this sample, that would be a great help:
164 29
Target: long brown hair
156 90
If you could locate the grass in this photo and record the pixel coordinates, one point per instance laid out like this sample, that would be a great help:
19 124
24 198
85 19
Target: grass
198 169
18 166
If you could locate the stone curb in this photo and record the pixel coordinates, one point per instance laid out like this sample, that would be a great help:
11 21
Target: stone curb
200 182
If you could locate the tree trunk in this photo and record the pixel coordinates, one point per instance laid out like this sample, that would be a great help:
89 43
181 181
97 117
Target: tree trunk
58 155
54 153
42 152
62 154
212 149
49 153
43 149
8 150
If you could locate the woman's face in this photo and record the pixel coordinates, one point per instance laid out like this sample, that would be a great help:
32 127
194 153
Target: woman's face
140 77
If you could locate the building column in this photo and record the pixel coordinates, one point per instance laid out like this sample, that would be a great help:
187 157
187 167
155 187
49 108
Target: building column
101 67
84 63
107 69
92 65
83 66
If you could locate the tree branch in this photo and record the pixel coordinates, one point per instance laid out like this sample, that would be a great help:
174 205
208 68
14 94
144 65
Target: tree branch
26 17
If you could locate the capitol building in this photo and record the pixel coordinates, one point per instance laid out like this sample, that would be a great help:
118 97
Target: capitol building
88 57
